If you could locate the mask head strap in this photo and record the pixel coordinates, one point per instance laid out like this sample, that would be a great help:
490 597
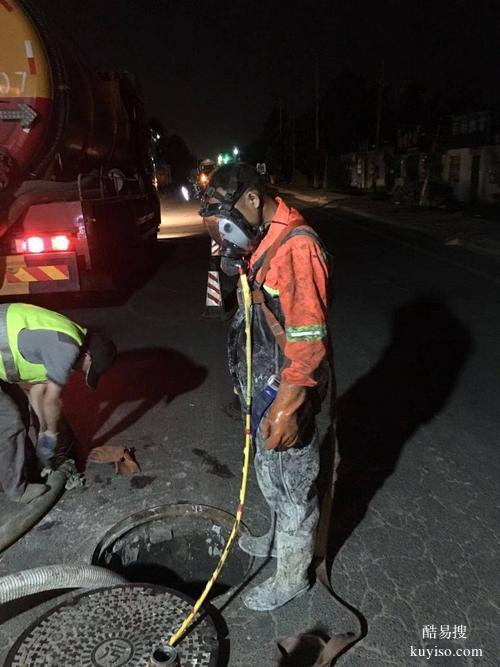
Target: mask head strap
234 190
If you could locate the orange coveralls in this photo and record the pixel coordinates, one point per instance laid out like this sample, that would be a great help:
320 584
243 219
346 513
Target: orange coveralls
295 291
298 275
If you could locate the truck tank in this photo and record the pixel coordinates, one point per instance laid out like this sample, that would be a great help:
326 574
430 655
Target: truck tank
79 210
59 118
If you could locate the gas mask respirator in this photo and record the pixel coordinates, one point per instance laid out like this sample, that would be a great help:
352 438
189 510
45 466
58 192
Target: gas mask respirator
231 230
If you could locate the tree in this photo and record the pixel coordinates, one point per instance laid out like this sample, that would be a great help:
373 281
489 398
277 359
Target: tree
158 138
268 147
179 157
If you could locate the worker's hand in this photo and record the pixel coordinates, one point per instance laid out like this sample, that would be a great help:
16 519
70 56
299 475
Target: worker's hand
280 427
45 448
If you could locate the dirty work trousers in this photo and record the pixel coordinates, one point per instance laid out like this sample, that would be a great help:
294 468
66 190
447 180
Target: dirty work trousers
286 478
287 482
13 476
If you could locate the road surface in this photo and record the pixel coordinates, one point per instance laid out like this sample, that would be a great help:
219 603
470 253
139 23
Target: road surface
179 218
416 330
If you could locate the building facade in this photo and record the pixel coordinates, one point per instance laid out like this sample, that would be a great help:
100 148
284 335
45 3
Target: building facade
459 158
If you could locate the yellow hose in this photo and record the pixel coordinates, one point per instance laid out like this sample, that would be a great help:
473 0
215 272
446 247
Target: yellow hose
247 301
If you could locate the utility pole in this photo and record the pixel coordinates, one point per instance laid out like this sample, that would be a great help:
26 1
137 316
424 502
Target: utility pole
316 134
424 193
280 139
325 172
378 122
280 118
380 98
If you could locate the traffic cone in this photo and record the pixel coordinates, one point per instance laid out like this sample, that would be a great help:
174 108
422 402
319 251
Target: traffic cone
214 304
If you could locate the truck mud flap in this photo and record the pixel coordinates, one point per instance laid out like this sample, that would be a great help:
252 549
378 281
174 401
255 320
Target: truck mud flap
38 274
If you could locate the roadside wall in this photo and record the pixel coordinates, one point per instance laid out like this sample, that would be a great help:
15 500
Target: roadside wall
473 173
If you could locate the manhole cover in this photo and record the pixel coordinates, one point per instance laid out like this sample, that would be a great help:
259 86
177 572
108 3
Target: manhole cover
177 546
111 627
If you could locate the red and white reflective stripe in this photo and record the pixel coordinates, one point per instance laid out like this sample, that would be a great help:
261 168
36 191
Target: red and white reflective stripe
215 249
30 57
5 4
214 297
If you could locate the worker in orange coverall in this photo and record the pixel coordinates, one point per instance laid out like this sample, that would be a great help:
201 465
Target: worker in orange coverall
288 274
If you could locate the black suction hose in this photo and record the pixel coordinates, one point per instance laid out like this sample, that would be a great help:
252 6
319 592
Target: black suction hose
30 515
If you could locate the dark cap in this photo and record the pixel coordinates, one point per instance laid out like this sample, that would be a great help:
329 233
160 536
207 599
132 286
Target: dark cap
102 353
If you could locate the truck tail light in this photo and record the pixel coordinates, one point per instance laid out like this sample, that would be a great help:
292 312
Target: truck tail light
38 244
34 244
60 242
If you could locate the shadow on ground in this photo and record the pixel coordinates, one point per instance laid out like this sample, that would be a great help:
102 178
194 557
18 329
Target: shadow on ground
139 380
377 416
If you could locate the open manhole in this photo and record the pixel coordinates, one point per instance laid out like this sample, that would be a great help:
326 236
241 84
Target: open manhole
177 546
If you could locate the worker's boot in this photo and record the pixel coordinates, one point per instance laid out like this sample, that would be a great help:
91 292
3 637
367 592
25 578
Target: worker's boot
263 546
31 492
294 557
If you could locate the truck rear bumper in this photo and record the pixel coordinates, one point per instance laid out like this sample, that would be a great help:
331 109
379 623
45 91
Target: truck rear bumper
38 274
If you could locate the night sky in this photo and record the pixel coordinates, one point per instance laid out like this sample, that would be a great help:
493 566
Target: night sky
211 71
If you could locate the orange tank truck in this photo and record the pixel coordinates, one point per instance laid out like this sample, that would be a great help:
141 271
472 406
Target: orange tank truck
79 209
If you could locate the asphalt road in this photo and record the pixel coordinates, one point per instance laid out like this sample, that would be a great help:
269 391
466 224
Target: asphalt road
179 219
415 534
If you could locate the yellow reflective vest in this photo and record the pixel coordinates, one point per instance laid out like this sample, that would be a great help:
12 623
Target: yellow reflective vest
15 317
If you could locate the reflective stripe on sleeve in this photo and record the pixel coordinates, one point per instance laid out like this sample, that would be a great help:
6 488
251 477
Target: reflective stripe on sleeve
271 290
306 333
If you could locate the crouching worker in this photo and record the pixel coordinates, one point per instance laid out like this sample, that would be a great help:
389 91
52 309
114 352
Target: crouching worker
39 349
288 274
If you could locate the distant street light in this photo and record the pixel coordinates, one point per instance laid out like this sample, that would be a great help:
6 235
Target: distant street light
236 151
220 159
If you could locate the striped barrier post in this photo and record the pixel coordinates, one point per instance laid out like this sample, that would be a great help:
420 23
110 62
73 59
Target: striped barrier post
214 249
214 303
